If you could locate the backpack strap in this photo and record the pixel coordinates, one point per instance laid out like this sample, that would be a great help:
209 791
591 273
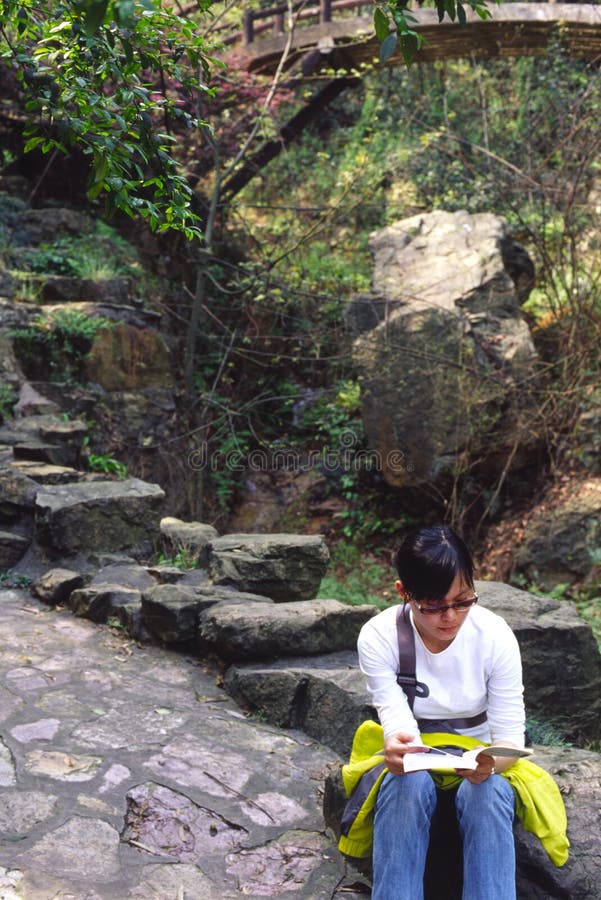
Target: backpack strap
406 678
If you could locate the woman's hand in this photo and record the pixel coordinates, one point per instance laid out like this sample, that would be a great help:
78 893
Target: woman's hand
395 748
486 768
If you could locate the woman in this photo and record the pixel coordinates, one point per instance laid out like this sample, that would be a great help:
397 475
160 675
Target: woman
469 661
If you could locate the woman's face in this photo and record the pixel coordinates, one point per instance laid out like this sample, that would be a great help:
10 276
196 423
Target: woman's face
439 630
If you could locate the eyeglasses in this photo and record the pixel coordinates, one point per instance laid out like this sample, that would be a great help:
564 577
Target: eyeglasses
461 606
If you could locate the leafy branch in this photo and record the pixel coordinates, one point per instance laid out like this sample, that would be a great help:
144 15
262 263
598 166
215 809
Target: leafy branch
395 25
112 78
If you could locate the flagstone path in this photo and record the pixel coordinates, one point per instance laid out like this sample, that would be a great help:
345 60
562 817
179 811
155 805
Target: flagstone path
126 772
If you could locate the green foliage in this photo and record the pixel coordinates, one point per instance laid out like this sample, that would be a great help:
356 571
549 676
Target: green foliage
112 78
10 580
394 24
59 341
107 464
357 578
116 625
103 254
183 558
8 398
546 732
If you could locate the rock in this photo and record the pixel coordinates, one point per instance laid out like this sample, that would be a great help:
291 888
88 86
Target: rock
16 316
68 288
102 602
7 766
46 438
45 473
147 418
578 774
171 825
127 574
285 567
69 436
166 574
101 515
128 358
193 537
324 696
10 370
446 365
22 810
57 585
553 639
32 403
171 612
559 541
17 495
254 631
210 594
82 847
39 226
12 548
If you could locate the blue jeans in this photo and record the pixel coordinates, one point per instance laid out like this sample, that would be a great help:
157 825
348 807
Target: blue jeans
404 810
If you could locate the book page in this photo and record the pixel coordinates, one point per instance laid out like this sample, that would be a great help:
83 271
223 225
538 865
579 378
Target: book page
440 761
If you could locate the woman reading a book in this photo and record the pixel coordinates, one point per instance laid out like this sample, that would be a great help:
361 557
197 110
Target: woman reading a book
469 675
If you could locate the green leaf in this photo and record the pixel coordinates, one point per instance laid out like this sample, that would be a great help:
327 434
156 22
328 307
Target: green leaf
387 47
461 14
407 49
381 24
94 17
32 143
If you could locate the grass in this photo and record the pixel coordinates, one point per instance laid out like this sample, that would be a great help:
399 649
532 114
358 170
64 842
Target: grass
358 577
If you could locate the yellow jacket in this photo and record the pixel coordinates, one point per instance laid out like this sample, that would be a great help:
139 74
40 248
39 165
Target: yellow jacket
539 804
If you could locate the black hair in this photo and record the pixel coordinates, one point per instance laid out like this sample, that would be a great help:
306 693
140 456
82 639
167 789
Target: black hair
429 559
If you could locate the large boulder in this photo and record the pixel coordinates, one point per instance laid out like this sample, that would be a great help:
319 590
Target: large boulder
560 657
443 352
126 358
285 567
98 515
562 541
254 631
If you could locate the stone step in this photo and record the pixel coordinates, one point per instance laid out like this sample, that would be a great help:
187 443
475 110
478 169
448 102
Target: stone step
285 567
47 473
253 631
171 612
325 696
98 515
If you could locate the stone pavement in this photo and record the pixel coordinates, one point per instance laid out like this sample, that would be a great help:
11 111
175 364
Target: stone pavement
125 772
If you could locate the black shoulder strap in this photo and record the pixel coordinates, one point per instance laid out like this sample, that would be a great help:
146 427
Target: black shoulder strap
406 673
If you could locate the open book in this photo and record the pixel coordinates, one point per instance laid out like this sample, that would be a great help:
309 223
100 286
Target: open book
435 758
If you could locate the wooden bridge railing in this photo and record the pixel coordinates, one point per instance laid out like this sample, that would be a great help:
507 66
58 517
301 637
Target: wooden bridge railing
276 15
259 21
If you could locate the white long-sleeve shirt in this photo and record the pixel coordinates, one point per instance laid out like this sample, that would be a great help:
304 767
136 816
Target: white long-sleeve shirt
480 670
